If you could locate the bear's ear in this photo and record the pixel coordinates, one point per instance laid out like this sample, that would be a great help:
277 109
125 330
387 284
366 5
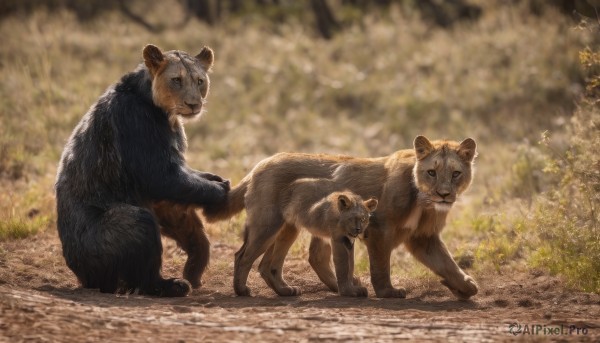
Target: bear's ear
423 147
344 202
206 57
467 150
153 58
371 204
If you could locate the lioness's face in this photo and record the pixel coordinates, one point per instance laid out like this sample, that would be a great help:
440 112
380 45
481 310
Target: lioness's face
179 81
354 213
443 169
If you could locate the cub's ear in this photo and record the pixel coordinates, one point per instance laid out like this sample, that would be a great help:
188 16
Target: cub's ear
206 58
467 150
153 58
344 202
371 204
423 147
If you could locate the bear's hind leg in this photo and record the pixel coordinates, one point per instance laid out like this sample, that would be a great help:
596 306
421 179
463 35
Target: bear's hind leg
133 250
182 223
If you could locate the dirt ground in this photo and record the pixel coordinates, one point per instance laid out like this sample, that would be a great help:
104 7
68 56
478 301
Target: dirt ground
40 301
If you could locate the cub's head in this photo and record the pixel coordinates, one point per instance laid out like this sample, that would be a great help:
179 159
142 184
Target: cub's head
179 81
354 212
443 169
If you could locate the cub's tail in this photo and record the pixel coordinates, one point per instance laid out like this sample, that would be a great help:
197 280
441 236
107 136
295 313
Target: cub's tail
234 204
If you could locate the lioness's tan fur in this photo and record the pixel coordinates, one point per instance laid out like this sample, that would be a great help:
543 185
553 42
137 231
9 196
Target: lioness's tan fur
415 189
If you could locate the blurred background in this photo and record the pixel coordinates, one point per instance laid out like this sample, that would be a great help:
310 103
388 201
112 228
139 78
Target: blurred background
353 77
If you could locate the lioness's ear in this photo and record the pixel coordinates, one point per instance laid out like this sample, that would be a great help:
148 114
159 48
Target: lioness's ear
467 150
423 147
371 204
344 202
153 58
206 58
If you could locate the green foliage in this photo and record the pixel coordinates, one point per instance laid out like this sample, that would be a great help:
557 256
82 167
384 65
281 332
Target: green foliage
25 208
590 60
567 218
16 228
12 158
568 246
503 239
527 177
361 259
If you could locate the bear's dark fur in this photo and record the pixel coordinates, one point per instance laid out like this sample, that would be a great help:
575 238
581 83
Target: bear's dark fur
124 160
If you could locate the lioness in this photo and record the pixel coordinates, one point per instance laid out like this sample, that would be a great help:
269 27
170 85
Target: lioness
415 188
310 204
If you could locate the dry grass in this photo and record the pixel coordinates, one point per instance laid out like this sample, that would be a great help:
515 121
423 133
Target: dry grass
502 80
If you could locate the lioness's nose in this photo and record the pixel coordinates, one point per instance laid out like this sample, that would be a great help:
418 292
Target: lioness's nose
443 194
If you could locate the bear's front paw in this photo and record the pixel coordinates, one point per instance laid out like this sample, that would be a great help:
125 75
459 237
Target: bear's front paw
176 288
224 185
211 176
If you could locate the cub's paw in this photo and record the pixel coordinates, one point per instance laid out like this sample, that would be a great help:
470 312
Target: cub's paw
242 291
468 288
354 291
391 293
288 291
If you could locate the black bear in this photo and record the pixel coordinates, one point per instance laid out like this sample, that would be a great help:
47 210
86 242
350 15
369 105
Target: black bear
123 178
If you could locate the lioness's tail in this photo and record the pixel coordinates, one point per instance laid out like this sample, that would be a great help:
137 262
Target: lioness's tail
234 204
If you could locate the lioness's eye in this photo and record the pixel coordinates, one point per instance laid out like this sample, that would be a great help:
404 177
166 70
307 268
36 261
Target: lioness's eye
431 172
456 174
176 80
200 82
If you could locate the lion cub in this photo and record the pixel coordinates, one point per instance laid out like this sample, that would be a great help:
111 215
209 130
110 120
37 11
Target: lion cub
311 204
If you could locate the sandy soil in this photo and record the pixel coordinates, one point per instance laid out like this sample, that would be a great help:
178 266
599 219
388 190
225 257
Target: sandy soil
40 301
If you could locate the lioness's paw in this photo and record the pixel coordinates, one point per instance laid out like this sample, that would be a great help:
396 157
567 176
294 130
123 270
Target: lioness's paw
354 291
391 293
468 289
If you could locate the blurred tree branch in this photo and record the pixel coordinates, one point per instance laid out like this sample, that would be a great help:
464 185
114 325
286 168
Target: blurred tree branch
136 18
328 16
326 22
